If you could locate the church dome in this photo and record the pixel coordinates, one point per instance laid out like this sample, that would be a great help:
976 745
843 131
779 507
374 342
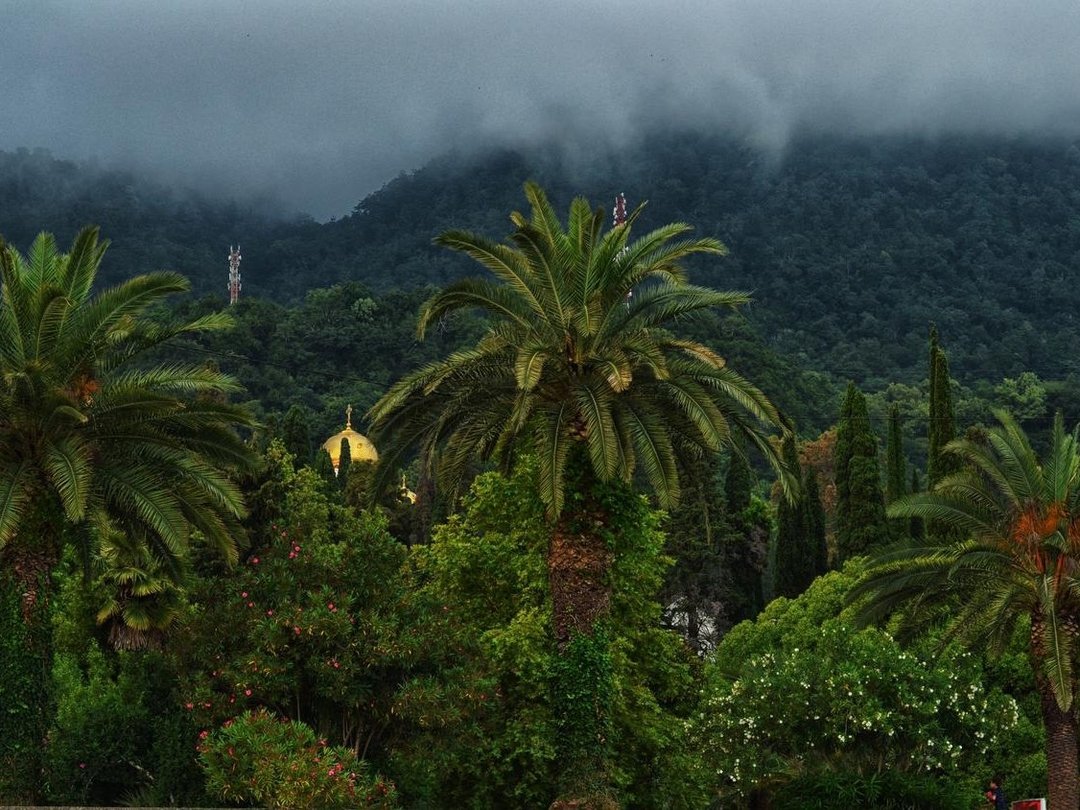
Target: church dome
360 446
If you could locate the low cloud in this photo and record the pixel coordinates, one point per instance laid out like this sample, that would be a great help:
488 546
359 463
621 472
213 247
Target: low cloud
319 103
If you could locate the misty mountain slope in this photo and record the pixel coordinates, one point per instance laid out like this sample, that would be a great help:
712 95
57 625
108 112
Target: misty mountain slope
850 247
150 226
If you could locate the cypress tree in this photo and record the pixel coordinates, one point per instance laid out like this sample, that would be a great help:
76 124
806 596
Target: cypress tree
344 463
860 506
296 436
895 468
941 429
791 574
325 467
813 521
738 484
916 528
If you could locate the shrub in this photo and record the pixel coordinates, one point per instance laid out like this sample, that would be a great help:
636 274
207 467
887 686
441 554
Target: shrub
276 762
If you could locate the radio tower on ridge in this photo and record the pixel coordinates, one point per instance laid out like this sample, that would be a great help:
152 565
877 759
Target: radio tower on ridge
234 274
619 218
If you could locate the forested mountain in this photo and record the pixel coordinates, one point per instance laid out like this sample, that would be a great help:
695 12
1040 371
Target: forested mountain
851 247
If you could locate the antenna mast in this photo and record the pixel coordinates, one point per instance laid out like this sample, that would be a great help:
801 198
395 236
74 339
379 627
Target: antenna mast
234 274
619 218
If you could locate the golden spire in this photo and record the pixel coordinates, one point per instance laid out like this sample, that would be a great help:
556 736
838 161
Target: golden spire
348 417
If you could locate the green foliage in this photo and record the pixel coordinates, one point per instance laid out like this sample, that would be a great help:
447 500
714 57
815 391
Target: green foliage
860 506
482 707
296 435
801 691
577 353
738 484
942 428
25 697
1006 556
306 626
344 465
101 733
582 693
796 552
279 763
888 790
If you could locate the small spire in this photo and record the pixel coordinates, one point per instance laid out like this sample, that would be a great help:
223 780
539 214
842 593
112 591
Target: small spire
348 417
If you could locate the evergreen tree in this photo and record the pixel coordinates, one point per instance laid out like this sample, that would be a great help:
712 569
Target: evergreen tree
813 521
916 527
895 466
860 505
738 484
792 572
941 429
344 463
296 435
325 467
895 469
694 584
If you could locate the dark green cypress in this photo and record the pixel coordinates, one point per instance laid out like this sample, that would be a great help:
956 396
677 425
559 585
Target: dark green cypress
860 507
942 428
917 528
738 484
296 436
813 521
895 469
324 466
344 463
790 574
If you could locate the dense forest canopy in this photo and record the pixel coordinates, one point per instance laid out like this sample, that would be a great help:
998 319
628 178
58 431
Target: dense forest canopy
850 247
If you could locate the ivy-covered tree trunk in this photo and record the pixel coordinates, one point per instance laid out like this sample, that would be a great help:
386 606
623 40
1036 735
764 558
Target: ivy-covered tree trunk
579 575
26 566
1062 736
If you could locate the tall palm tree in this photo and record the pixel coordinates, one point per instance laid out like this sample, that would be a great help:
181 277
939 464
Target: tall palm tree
577 368
90 436
1019 559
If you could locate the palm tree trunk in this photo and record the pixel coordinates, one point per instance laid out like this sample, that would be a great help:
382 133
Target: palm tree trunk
579 575
25 596
579 563
1062 760
1061 751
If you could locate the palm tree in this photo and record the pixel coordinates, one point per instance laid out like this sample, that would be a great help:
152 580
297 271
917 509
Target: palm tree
94 442
91 438
1019 559
576 368
140 598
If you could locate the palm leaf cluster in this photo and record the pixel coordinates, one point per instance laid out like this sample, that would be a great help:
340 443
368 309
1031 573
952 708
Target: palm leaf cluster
87 430
576 353
1019 518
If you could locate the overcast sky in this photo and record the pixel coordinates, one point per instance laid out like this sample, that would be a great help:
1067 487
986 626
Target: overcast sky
323 101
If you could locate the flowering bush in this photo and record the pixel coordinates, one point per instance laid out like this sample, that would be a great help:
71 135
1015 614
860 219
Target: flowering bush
276 762
827 697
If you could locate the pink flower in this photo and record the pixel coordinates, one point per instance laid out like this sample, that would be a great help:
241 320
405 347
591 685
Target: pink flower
189 706
204 734
247 692
296 629
254 560
243 595
251 604
269 613
82 765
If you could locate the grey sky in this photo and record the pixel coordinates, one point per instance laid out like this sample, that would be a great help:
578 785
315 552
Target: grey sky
321 102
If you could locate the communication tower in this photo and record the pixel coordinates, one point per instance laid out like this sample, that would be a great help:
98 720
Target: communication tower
234 274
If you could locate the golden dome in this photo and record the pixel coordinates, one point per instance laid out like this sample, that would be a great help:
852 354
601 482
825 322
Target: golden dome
407 493
360 446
